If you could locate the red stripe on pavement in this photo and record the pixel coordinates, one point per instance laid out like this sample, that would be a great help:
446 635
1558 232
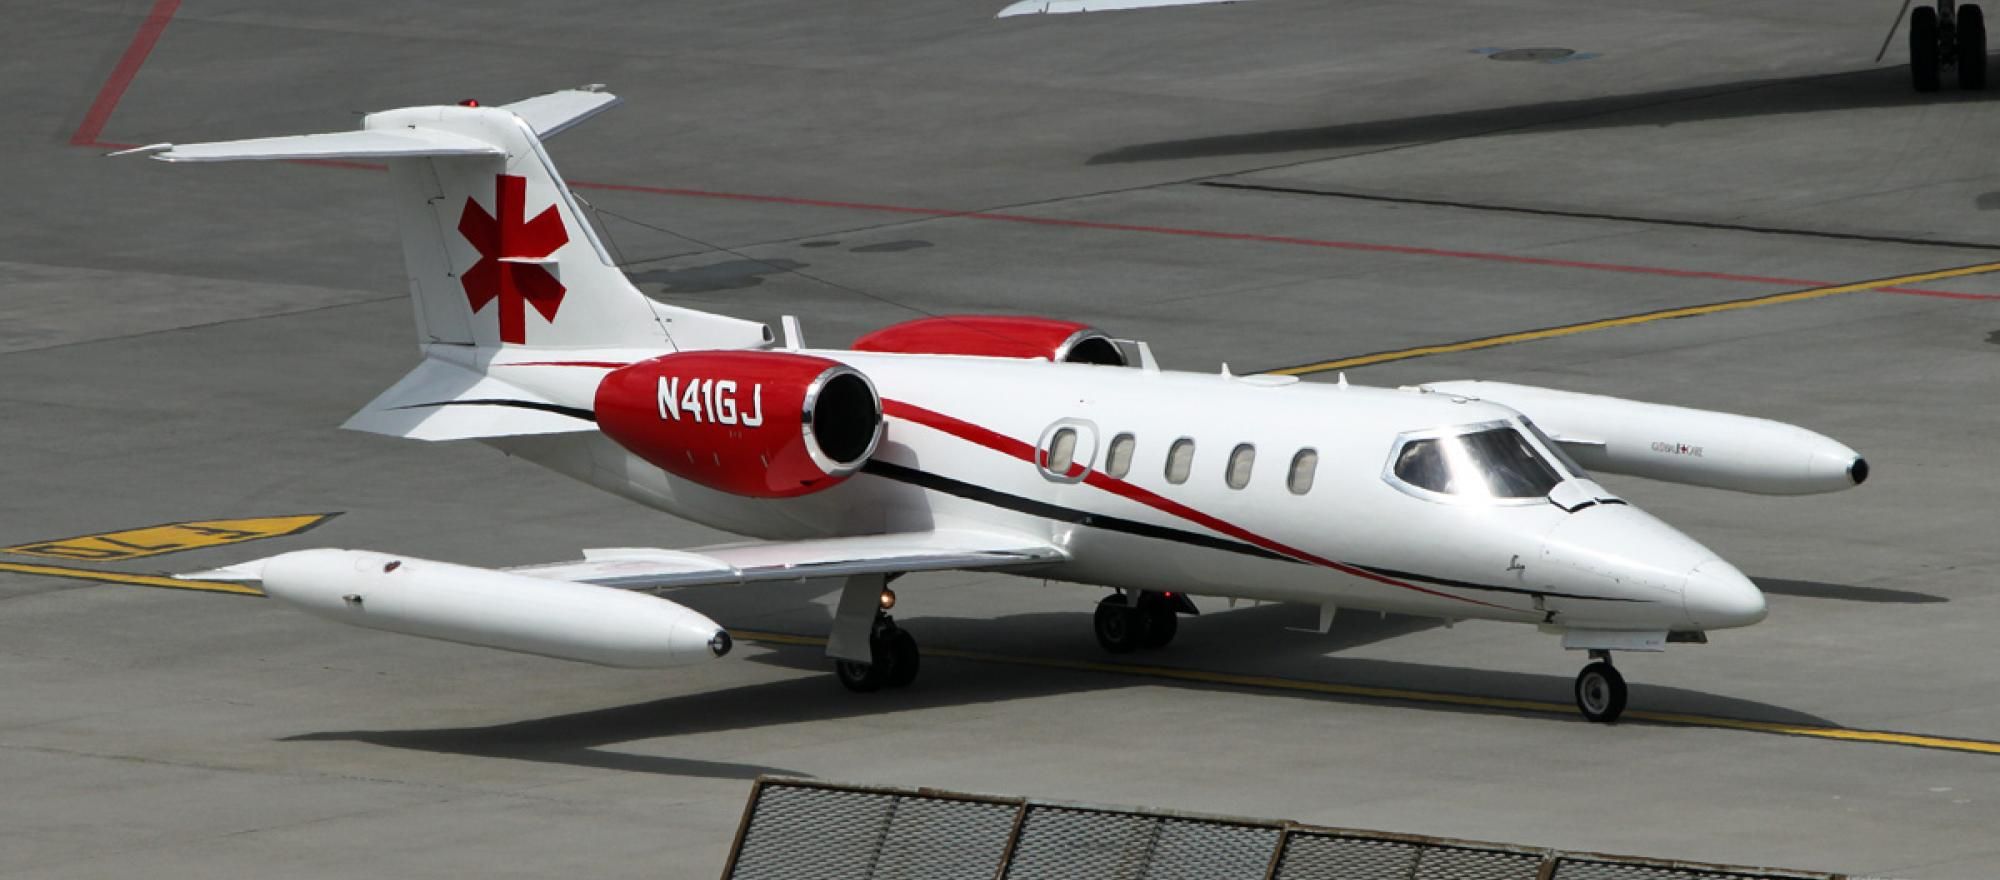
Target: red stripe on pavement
1022 450
122 75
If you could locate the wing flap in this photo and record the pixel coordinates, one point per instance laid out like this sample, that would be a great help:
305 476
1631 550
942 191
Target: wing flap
941 550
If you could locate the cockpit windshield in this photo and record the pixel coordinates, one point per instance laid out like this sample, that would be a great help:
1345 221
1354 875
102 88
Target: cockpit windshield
1491 463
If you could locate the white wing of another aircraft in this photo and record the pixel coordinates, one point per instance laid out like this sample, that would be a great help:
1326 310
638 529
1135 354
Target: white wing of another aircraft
1064 7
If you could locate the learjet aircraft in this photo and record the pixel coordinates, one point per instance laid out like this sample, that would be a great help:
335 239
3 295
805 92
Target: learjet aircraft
1034 446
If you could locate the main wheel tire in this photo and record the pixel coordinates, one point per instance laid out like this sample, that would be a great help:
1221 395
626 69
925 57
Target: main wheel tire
1600 692
1971 47
1924 48
861 678
1162 622
1119 626
904 659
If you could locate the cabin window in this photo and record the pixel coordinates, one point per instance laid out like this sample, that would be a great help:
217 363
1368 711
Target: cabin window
1062 451
1180 461
1304 464
1241 460
1118 461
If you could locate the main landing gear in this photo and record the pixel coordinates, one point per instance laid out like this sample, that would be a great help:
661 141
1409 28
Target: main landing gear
1600 690
1947 35
1124 626
894 660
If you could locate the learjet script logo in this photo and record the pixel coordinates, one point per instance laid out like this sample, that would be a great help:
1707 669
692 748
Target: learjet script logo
511 238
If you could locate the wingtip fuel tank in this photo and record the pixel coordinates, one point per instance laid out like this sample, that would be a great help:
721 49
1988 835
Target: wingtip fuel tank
493 609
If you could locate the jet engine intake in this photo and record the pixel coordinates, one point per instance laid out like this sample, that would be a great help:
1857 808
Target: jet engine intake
997 336
763 424
1677 444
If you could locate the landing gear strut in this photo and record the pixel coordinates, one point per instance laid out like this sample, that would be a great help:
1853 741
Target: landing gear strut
1600 690
894 659
1947 35
1123 627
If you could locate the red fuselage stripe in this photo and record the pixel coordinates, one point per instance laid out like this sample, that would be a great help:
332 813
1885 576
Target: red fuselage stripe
1024 451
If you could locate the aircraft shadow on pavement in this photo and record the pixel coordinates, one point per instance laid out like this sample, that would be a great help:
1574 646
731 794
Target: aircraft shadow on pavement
1870 88
1249 641
1843 592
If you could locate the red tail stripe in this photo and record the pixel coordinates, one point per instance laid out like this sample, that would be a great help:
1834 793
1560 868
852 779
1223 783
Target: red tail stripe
1022 450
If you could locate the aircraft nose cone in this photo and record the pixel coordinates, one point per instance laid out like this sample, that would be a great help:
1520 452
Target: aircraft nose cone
1718 596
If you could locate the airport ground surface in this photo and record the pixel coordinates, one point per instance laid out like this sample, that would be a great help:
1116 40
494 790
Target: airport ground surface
1273 184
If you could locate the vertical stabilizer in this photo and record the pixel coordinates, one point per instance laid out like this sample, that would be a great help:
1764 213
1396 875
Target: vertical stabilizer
495 248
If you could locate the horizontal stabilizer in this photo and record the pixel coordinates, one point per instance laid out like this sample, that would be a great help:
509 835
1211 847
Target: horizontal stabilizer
556 112
367 144
647 569
443 401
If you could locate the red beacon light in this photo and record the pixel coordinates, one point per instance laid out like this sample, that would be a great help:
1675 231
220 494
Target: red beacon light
469 102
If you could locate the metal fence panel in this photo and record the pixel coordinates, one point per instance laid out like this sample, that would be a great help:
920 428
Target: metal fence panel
1583 869
1065 844
1466 863
1187 849
813 834
945 840
1310 856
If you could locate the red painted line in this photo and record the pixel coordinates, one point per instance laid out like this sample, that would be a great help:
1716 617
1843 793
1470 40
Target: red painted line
122 75
1020 449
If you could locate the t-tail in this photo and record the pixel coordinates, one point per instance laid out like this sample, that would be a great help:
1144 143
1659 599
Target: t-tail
498 256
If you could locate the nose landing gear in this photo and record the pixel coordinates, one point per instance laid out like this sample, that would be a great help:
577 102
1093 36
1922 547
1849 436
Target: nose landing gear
894 660
1947 35
1600 690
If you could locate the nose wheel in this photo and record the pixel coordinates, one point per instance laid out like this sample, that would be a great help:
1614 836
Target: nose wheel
1123 627
1600 690
893 664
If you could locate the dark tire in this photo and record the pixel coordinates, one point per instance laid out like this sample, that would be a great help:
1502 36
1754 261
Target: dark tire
1924 48
1162 622
904 659
1600 693
861 678
1119 626
1971 47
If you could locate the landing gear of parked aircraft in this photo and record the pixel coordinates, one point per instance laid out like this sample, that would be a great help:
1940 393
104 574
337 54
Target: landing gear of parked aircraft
1123 627
1600 690
895 662
1947 35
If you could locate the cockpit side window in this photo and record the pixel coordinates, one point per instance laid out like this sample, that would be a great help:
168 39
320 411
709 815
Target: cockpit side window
1496 463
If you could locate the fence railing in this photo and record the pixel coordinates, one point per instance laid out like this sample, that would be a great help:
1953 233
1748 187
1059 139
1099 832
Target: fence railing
812 830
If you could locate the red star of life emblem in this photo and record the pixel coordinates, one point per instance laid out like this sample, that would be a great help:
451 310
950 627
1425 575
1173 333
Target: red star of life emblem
502 241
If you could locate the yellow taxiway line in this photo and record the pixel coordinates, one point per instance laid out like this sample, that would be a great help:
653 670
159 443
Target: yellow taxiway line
1295 685
134 580
1631 320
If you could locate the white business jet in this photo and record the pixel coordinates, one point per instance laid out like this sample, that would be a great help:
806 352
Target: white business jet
1033 446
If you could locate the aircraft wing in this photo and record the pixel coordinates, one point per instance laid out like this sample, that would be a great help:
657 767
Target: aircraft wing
1064 7
654 569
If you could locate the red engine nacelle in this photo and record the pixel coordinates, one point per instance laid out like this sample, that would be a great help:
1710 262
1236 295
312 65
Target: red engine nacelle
997 336
758 423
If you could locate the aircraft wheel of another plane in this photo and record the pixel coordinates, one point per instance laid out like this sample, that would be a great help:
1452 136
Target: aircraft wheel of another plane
1120 627
904 659
1924 48
1600 692
1971 47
